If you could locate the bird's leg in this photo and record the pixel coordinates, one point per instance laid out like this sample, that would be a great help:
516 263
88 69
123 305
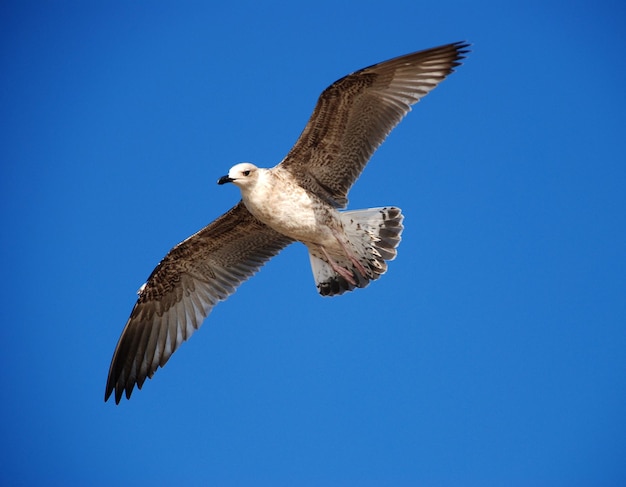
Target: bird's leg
353 259
345 273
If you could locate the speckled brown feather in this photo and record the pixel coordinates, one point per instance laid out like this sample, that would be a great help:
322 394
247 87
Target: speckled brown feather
355 114
196 274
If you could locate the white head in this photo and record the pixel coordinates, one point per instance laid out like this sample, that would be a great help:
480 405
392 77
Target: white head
243 175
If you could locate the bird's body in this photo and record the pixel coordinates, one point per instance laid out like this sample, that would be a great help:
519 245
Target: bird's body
347 249
301 199
279 202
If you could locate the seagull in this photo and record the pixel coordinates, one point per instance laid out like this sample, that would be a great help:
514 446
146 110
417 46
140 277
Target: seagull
297 200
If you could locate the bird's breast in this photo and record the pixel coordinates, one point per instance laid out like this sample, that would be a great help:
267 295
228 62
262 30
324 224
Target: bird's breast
292 211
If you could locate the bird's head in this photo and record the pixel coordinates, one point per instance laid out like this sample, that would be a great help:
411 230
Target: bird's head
243 175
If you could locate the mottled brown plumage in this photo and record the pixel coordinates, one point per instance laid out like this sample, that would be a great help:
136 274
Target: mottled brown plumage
355 114
196 274
351 119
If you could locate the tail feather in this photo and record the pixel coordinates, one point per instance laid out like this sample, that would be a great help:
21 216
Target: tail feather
372 238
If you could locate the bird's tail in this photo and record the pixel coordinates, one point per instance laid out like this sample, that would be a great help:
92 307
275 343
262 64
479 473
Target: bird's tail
372 238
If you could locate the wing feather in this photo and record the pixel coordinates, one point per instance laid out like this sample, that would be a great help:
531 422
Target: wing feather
355 114
181 291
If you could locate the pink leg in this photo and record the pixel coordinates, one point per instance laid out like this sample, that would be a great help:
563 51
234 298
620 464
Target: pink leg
345 273
356 263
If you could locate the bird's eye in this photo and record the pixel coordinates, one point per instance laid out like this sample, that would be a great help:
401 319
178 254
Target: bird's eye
246 173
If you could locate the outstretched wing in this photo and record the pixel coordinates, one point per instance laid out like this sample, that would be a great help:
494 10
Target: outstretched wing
355 114
182 290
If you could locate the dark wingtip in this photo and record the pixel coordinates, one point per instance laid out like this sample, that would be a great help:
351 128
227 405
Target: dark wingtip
107 394
462 49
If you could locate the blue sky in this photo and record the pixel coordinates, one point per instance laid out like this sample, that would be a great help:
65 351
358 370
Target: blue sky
491 353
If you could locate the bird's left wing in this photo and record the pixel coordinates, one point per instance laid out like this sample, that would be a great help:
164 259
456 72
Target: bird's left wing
181 291
354 115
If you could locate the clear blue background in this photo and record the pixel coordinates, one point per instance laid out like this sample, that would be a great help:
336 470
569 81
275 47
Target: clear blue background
493 351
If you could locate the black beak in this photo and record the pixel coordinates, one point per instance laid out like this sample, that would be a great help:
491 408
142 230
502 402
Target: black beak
224 180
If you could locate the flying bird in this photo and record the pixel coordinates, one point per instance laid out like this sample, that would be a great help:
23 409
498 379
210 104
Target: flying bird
297 200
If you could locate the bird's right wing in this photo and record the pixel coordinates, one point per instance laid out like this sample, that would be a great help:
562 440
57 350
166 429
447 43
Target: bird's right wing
181 291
